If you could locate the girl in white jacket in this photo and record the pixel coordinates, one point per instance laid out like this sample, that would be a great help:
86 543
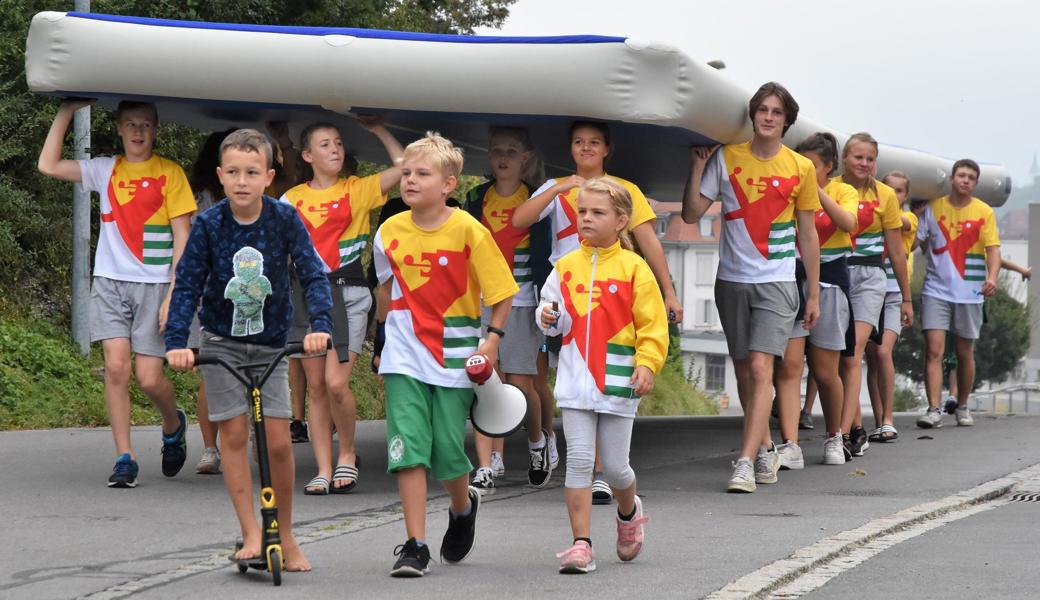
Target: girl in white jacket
603 299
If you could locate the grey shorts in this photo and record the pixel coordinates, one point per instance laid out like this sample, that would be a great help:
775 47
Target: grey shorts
518 351
867 293
966 319
128 309
893 320
756 316
830 328
226 395
350 307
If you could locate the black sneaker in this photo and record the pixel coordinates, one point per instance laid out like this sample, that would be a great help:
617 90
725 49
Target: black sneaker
124 474
858 439
458 539
846 445
413 560
541 468
298 431
175 448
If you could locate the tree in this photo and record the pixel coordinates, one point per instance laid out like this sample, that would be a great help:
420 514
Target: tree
1003 342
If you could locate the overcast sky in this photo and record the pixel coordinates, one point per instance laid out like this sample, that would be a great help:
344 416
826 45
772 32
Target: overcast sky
954 78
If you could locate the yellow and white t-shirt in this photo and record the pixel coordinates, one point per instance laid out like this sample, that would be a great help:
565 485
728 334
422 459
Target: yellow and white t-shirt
878 210
438 278
835 242
759 198
564 212
513 242
612 321
138 200
338 217
957 239
908 243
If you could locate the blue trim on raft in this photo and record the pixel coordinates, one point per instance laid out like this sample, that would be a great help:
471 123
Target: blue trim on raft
378 34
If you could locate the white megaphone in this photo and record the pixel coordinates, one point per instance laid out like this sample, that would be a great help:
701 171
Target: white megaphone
499 408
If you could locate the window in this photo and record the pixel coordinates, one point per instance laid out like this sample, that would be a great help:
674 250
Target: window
705 312
661 225
715 372
705 274
705 224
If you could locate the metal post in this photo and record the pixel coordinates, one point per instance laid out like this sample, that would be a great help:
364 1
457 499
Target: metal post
81 226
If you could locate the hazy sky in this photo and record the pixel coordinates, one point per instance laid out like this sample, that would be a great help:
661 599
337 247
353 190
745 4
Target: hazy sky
954 78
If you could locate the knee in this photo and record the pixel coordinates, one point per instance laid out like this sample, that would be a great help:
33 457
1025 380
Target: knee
620 478
884 354
581 462
278 448
117 372
761 368
933 353
232 441
151 383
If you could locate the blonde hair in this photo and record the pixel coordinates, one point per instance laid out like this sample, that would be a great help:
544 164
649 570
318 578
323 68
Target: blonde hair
865 138
899 175
444 154
533 171
620 201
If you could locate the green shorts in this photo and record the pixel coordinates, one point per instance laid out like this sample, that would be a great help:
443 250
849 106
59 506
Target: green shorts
426 426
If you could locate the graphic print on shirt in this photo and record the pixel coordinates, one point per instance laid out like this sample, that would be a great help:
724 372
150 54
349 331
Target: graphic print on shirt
429 286
500 223
326 222
967 233
133 202
607 312
572 218
867 243
758 214
248 290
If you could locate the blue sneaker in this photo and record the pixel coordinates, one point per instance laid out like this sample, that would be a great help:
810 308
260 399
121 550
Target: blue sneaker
124 474
175 448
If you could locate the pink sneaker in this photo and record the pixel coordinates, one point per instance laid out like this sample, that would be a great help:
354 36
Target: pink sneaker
578 559
630 534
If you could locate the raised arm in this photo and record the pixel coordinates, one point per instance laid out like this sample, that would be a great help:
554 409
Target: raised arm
646 237
388 178
695 204
527 213
845 220
51 163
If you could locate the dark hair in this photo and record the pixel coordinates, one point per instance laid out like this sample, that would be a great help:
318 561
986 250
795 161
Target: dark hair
773 88
128 105
304 170
248 140
824 145
308 131
204 171
599 126
966 163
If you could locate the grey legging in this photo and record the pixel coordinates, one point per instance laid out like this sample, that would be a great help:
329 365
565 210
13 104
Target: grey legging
582 429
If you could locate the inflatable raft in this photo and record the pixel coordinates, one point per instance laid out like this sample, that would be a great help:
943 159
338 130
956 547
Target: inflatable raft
215 75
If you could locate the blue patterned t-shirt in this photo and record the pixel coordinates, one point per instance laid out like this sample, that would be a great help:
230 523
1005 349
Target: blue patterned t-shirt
241 273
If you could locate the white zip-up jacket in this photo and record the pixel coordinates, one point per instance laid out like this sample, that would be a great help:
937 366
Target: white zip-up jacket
612 320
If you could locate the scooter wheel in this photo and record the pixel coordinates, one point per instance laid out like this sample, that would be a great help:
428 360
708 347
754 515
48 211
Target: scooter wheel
242 568
276 567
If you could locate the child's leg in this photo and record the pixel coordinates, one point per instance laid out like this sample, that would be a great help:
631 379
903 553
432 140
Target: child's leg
458 491
206 427
873 382
117 391
234 437
298 389
283 470
614 438
342 405
411 485
534 404
545 395
887 376
965 349
579 428
320 420
485 445
153 382
935 344
851 377
810 392
825 367
788 381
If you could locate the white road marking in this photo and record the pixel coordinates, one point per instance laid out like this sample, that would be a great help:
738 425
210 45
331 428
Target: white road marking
812 566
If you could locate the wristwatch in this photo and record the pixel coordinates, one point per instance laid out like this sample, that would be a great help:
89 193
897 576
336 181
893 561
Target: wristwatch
501 334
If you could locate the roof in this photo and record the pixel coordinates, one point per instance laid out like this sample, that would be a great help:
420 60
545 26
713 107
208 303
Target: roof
678 230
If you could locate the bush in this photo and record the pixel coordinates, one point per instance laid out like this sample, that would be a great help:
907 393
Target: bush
906 400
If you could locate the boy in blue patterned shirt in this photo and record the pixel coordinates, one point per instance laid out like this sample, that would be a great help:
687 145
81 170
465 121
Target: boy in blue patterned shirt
237 260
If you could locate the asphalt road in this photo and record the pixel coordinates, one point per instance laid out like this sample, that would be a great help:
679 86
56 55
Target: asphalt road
66 535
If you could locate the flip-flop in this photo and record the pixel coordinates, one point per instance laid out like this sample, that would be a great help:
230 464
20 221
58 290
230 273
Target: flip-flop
345 472
875 436
318 482
888 434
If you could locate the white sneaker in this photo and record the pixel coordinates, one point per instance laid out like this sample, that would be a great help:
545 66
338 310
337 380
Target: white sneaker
498 466
209 464
743 479
931 418
767 464
554 454
964 418
833 450
484 481
790 456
